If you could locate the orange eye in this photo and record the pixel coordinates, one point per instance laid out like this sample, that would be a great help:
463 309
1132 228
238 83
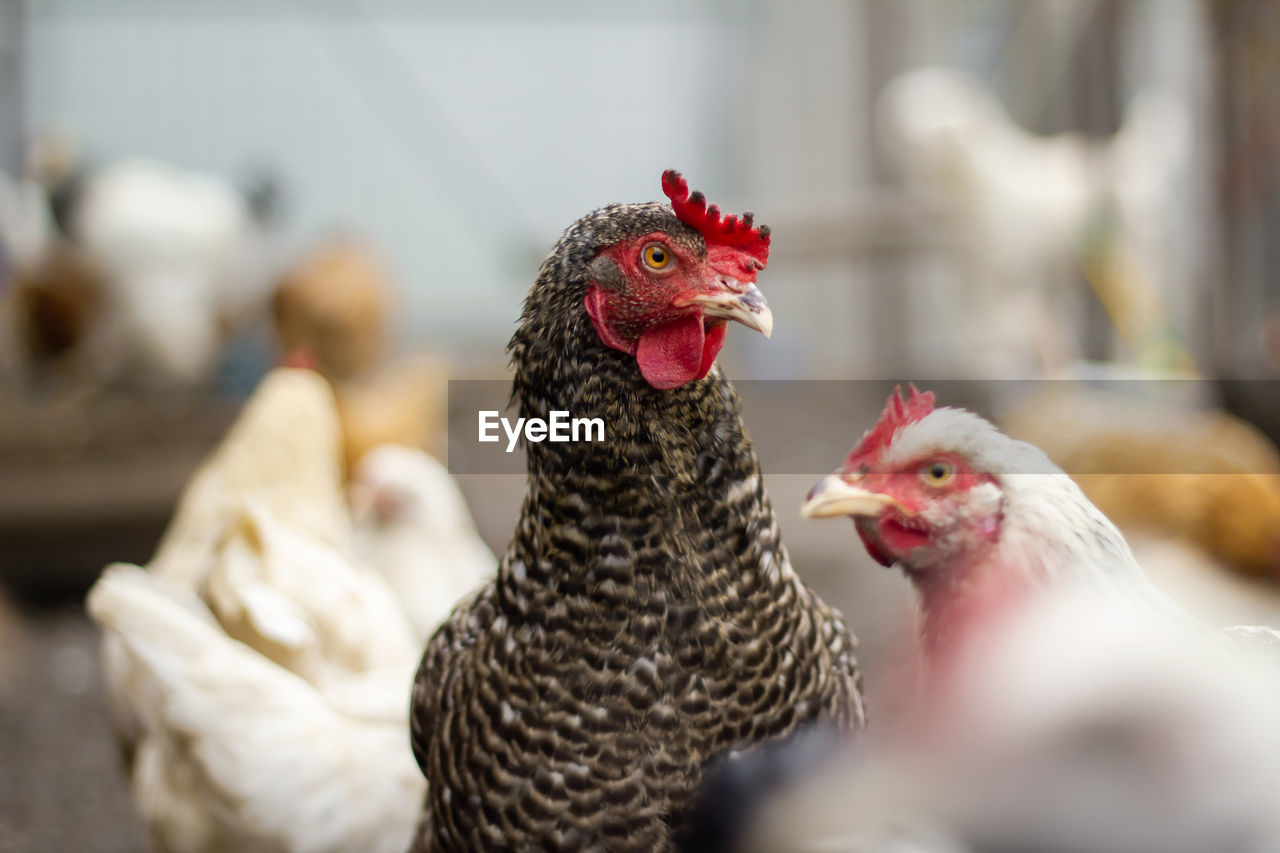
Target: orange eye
656 256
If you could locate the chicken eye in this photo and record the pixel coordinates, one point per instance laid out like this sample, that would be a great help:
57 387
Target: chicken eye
937 473
656 256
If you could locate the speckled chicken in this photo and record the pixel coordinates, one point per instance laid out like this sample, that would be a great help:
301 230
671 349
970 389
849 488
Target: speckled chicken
645 618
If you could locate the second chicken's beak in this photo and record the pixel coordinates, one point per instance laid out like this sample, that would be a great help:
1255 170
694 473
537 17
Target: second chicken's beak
834 496
735 300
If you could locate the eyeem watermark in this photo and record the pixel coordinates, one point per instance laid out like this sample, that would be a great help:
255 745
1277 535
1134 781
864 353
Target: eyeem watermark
806 426
561 427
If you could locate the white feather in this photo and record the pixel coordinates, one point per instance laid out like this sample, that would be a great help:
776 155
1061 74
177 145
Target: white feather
413 526
240 754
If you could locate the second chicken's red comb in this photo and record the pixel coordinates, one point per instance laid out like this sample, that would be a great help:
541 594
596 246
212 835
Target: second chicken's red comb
738 233
898 412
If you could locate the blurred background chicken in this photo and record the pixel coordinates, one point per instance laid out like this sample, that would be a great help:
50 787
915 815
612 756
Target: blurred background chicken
1028 210
235 752
180 254
282 453
413 525
178 261
257 671
48 312
332 309
1076 726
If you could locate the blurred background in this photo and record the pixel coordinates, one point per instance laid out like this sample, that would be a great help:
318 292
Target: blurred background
979 190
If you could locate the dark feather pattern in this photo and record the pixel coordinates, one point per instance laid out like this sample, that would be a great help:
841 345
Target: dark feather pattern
644 619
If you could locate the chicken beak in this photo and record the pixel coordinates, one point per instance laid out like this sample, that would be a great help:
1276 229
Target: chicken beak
731 299
834 496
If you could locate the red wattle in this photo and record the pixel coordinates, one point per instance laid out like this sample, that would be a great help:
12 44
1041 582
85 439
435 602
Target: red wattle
711 347
303 358
673 353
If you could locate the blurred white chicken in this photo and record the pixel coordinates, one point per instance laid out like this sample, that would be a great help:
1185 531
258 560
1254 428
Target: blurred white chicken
26 233
257 675
1026 210
283 453
182 263
412 524
1078 725
238 753
305 604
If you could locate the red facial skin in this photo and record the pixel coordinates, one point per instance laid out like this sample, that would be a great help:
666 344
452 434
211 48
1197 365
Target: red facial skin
961 585
896 533
650 316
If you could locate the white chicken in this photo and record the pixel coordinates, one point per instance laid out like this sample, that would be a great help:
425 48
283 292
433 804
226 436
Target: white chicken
180 258
305 604
1078 724
257 675
412 524
242 754
283 452
26 233
1091 711
1026 209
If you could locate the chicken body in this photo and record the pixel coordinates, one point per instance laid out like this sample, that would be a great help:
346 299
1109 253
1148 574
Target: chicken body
282 452
239 753
413 526
1079 725
978 521
304 604
179 252
1025 207
258 676
645 617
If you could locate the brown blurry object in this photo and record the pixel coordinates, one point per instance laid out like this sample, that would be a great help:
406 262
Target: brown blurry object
331 314
332 306
1233 516
1204 477
403 403
55 301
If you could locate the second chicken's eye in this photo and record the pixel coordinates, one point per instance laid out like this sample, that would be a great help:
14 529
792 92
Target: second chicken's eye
657 256
938 473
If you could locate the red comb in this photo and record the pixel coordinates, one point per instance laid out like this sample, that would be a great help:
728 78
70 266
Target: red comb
898 412
728 231
304 358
